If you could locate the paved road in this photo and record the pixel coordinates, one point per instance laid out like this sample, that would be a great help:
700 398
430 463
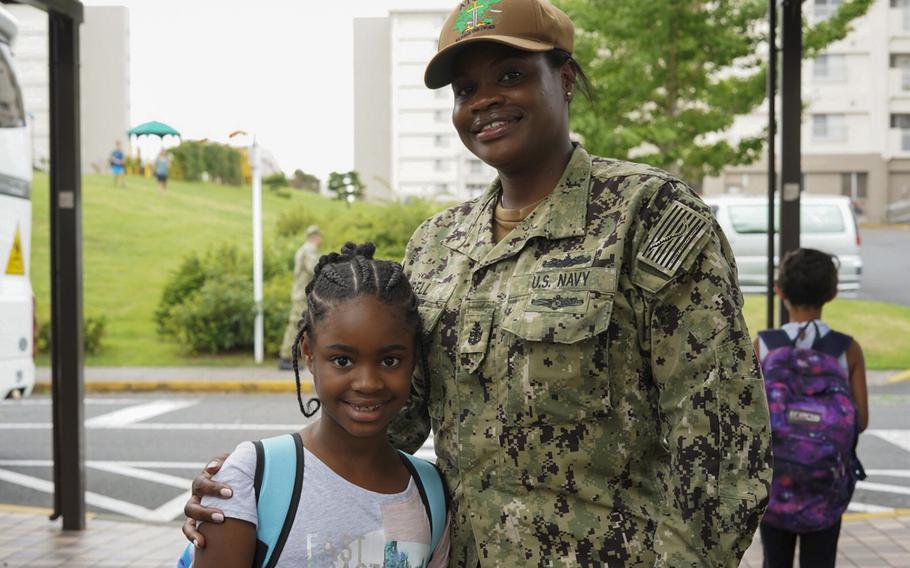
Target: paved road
886 265
142 450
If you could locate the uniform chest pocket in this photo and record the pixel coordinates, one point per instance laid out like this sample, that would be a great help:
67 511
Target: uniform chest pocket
474 337
558 355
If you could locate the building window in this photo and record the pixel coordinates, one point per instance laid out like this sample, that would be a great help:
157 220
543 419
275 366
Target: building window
853 184
904 6
441 141
440 116
902 61
476 167
824 9
829 67
902 121
829 127
440 189
441 165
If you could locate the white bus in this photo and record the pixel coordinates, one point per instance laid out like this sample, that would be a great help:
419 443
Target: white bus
17 304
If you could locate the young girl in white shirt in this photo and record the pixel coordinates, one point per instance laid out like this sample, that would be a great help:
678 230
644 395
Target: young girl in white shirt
359 504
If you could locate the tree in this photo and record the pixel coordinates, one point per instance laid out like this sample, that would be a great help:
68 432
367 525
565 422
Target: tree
346 186
305 181
670 76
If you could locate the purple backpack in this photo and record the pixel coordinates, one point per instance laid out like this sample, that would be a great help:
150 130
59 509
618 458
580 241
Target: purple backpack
814 431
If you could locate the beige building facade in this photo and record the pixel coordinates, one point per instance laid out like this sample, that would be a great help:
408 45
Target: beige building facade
104 81
856 120
404 142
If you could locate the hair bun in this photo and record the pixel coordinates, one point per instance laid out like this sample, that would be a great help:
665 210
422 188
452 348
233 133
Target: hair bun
351 250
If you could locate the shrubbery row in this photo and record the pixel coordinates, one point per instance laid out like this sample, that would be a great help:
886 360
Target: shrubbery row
207 304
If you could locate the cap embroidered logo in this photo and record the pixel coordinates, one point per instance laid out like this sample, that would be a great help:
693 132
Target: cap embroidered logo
474 15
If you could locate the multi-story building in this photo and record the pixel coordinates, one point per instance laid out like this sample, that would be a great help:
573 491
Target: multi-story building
404 141
856 121
104 81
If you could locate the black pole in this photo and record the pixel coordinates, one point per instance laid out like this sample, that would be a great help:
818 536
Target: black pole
791 101
772 150
66 271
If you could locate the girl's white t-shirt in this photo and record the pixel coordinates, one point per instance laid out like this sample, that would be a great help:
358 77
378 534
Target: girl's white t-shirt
338 523
793 328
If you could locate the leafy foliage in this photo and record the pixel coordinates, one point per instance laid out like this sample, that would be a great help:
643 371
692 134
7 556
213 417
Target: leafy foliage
191 158
346 186
670 77
305 181
275 180
93 331
207 305
388 226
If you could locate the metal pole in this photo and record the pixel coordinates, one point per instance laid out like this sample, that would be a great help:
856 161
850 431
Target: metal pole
772 150
257 251
791 103
66 272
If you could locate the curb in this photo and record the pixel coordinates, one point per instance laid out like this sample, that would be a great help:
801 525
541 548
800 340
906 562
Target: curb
847 517
898 226
41 511
261 386
900 377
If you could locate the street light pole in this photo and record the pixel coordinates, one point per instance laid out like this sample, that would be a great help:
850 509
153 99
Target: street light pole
256 172
256 175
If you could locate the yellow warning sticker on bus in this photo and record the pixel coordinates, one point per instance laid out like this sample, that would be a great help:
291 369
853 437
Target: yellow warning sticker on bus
16 264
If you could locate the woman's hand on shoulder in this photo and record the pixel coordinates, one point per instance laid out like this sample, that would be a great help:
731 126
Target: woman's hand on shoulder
205 486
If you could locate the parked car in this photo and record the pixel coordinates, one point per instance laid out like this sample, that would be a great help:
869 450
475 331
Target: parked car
17 305
827 223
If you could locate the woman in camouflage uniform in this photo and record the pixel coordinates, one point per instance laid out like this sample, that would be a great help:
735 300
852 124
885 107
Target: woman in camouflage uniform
591 382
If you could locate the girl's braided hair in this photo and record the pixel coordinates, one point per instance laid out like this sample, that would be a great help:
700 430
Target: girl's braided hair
346 275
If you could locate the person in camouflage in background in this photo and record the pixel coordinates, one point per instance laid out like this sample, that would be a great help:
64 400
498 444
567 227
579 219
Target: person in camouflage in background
305 260
590 380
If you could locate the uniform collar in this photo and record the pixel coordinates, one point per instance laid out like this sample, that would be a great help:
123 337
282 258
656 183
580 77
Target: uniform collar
560 215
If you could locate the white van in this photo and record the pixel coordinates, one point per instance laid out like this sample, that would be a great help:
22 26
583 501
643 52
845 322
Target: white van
827 223
17 304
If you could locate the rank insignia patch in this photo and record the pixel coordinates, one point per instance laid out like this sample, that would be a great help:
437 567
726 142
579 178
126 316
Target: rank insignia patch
678 231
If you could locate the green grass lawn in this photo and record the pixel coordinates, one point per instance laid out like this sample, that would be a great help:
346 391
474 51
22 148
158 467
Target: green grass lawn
133 238
883 330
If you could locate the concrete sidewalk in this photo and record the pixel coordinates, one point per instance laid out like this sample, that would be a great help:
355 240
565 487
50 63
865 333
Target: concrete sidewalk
28 538
243 379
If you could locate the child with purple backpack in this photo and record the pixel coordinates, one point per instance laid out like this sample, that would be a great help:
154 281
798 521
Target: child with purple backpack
815 378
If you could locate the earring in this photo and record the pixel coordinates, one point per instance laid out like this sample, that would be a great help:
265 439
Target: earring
569 94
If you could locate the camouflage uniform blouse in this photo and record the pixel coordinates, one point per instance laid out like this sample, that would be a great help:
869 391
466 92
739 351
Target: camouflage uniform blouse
592 385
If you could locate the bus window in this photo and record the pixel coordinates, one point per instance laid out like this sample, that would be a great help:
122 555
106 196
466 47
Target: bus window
12 112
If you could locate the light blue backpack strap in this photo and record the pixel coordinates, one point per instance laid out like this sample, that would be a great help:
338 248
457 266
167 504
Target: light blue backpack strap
434 494
279 476
186 559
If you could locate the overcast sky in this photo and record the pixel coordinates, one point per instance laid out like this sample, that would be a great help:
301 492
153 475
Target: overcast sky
279 68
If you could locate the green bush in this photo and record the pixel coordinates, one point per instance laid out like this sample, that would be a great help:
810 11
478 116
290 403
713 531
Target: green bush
191 158
294 222
388 226
93 331
207 304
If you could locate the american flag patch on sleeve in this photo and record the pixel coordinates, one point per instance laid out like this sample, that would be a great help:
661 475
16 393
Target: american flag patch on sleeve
677 233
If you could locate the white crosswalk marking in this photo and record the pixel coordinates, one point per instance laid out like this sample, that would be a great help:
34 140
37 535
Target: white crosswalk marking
900 438
137 413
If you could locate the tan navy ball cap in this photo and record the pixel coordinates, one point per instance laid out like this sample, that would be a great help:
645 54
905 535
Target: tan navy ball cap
529 25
